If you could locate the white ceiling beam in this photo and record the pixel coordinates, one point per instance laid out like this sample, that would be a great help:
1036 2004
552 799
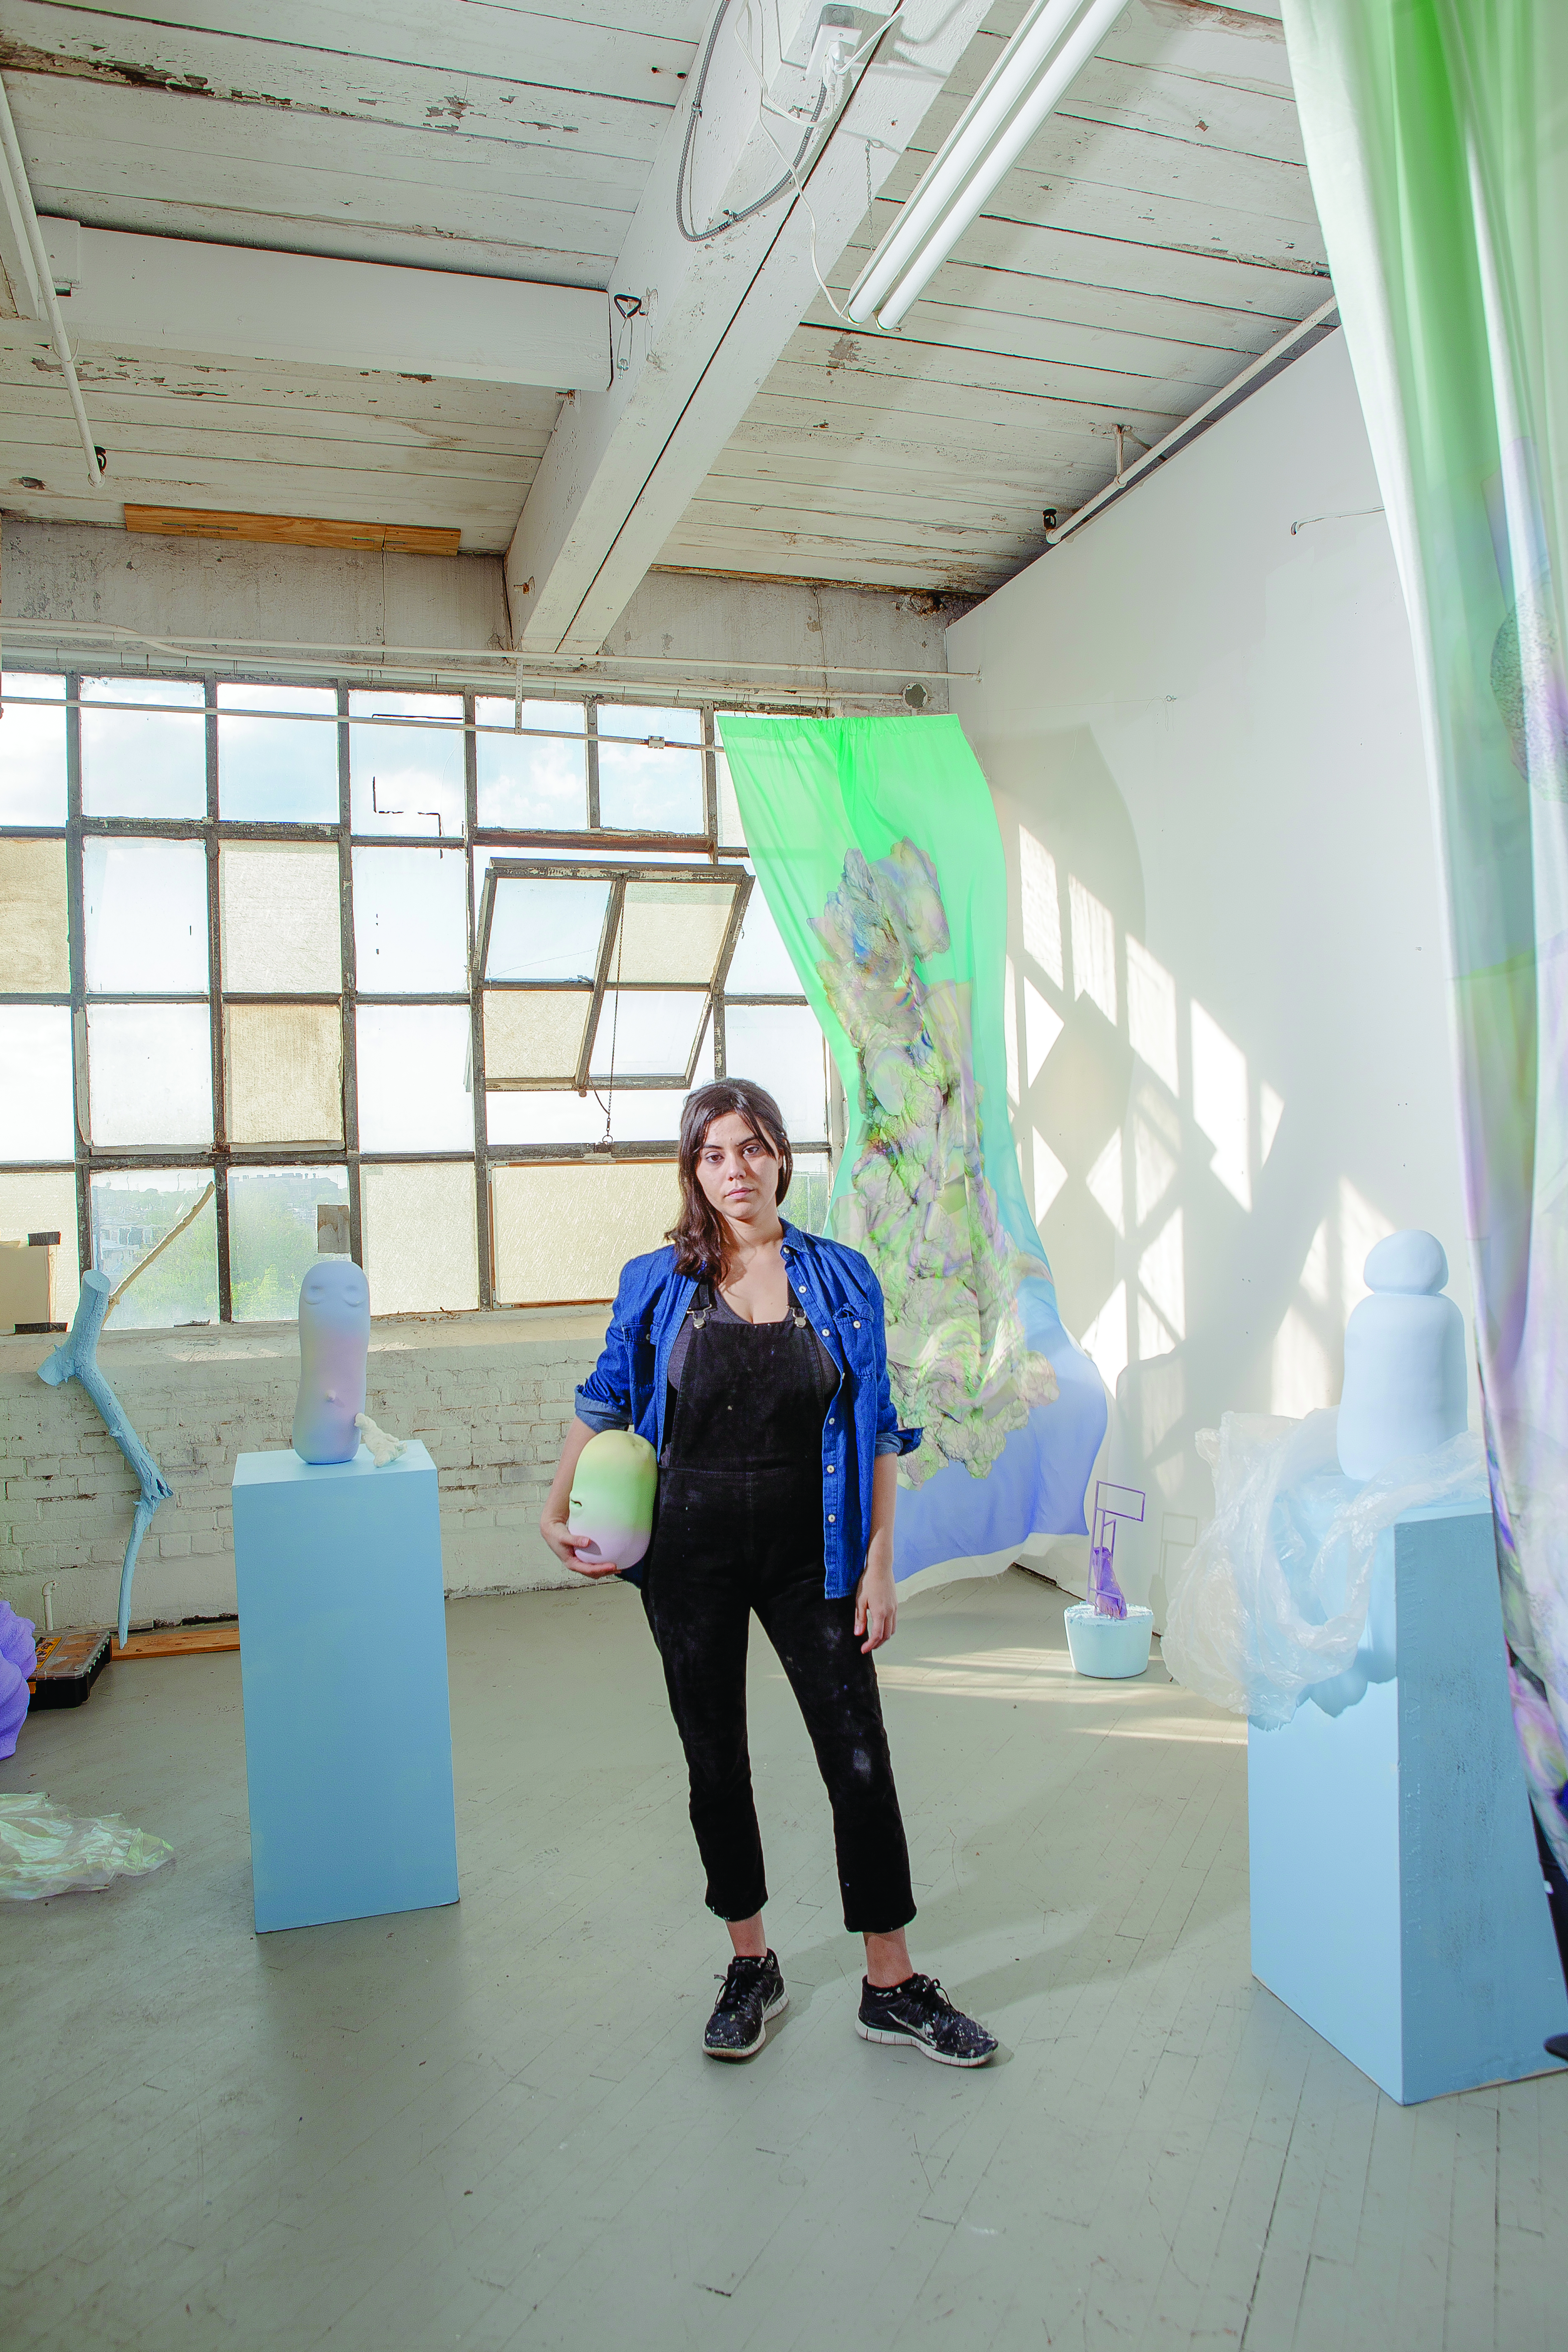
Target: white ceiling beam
622 465
176 294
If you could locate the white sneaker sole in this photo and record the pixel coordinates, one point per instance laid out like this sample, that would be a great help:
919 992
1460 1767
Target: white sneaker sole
912 2042
774 2009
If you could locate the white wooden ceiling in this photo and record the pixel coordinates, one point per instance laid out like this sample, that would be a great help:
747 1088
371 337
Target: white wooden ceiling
1157 234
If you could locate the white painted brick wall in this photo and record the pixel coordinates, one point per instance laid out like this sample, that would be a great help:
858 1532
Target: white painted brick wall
490 1396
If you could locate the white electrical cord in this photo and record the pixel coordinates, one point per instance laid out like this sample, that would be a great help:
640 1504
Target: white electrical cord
18 172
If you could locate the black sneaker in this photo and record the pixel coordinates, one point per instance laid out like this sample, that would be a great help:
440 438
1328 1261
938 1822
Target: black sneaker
753 1991
920 2013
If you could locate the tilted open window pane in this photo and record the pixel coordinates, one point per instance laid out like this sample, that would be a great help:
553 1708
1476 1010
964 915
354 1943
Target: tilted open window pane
545 930
413 1079
411 921
650 1036
43 1201
37 1121
283 1073
406 779
644 790
148 761
421 1254
281 921
32 751
642 723
149 1075
761 965
272 1236
535 1034
781 1047
130 1215
527 782
280 771
146 909
805 1202
672 932
35 953
563 1234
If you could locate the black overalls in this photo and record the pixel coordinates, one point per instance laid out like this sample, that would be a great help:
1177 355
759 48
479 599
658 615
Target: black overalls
738 1527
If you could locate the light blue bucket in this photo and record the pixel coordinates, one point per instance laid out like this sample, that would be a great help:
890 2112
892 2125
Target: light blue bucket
1109 1647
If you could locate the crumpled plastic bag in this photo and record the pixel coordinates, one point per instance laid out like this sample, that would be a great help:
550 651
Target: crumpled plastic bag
1272 1599
44 1852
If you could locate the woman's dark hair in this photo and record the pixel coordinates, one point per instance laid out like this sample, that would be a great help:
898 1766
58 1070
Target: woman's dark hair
701 1241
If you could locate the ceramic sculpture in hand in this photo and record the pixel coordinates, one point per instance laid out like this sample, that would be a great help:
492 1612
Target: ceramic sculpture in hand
613 1489
334 1340
1406 1382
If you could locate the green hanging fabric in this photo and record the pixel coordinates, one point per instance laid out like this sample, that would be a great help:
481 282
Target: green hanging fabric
877 847
1436 133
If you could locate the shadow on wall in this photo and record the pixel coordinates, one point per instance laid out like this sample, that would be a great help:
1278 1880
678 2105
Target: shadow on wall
1148 1142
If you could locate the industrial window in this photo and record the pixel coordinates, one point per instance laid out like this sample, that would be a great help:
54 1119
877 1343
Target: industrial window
439 966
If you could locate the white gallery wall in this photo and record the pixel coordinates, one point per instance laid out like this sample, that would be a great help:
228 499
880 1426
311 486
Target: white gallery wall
1232 1072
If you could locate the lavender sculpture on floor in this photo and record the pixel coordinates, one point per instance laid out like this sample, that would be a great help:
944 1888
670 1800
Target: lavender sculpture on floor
334 1341
18 1659
1119 1503
77 1359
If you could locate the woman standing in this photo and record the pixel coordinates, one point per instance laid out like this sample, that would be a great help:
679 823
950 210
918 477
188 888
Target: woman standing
753 1357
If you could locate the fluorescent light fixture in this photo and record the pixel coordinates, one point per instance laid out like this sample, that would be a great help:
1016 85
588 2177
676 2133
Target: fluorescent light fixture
1039 64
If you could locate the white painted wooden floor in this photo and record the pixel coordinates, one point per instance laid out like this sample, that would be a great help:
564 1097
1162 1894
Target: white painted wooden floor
491 2125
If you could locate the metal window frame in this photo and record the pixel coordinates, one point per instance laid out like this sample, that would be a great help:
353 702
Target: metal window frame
707 859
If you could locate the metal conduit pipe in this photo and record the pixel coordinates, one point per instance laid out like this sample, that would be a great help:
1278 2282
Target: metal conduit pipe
17 172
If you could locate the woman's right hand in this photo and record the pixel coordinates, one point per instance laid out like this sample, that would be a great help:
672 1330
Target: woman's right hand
554 1528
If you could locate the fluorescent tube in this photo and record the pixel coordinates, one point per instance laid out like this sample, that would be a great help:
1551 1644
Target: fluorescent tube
1044 56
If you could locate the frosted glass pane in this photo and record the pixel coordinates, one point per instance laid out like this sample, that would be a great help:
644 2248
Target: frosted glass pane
637 1115
32 752
147 762
526 781
534 1032
805 1202
650 792
672 932
146 909
761 965
36 1117
130 1215
411 921
272 1236
413 1079
281 926
149 1074
43 1201
641 721
563 1234
277 770
283 1073
647 1036
421 1254
731 832
404 778
35 955
780 1046
546 931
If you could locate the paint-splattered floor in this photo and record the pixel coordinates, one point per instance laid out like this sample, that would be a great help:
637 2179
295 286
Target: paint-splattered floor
491 2125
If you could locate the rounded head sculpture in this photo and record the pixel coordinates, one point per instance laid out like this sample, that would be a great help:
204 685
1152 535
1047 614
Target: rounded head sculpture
1407 1377
612 1490
334 1341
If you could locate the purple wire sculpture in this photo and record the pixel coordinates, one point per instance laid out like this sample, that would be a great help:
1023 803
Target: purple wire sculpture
1111 1504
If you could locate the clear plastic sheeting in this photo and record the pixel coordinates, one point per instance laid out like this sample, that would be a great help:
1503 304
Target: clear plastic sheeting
44 1852
1272 1599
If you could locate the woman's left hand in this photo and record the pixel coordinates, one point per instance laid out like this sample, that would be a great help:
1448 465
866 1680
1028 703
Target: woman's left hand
876 1605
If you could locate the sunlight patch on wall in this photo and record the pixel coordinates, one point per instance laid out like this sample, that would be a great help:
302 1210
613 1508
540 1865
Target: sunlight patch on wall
1043 1024
1162 1274
1105 1341
1220 1102
1152 1014
1042 908
1049 1175
1302 1377
1156 1144
1093 949
1270 1111
1106 1184
1010 1031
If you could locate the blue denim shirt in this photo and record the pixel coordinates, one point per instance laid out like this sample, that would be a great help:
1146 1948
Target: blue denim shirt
628 1386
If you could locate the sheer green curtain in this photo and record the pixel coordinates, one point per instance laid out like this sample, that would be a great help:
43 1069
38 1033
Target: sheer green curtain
1437 134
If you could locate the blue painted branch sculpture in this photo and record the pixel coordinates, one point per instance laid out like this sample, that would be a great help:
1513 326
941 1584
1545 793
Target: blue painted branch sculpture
77 1359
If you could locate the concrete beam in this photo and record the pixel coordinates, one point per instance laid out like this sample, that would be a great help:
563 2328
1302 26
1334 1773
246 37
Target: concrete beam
622 465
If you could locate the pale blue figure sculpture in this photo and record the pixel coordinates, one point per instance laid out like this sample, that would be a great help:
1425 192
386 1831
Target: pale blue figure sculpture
77 1359
334 1341
1406 1382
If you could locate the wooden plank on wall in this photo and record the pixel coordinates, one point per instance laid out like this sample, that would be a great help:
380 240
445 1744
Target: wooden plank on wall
291 531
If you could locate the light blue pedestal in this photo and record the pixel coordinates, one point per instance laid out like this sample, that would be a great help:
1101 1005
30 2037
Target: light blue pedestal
1397 1903
342 1654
